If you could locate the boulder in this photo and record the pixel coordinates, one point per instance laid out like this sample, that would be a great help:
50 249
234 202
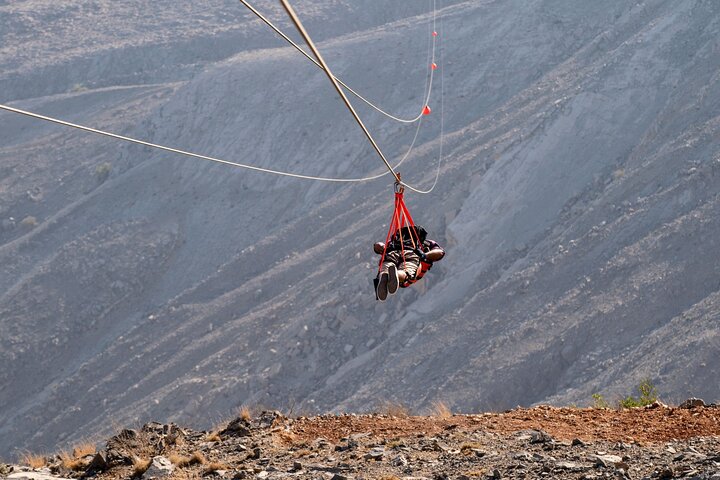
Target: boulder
692 403
160 467
34 476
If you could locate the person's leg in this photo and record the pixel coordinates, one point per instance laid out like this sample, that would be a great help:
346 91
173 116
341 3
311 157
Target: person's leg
385 280
393 279
382 288
408 268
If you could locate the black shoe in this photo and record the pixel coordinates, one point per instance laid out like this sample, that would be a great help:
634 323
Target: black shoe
393 281
382 289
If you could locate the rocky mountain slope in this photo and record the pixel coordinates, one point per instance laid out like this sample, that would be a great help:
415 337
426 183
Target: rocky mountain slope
578 200
568 443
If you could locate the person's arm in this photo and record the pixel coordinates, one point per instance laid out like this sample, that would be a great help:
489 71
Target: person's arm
435 254
435 251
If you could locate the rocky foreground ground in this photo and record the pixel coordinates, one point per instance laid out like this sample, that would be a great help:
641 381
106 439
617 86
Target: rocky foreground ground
541 442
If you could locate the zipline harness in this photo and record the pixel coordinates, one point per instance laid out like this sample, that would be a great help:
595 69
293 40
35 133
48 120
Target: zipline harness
403 236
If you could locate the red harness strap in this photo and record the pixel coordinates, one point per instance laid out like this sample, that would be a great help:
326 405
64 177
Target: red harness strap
402 218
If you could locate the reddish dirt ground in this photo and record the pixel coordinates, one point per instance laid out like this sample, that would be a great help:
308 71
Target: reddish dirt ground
643 425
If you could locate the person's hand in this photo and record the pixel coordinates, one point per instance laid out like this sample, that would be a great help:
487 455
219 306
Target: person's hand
421 254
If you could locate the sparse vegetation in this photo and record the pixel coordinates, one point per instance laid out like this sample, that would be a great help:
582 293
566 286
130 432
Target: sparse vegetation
394 443
214 467
468 447
181 461
33 460
303 452
102 171
213 436
29 222
599 401
77 460
84 449
71 462
395 409
648 395
140 466
245 413
441 410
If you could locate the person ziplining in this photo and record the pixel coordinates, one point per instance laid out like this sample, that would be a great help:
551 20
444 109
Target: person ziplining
407 254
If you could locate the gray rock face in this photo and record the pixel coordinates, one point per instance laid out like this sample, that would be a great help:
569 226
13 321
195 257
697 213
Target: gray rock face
160 467
577 200
692 403
34 476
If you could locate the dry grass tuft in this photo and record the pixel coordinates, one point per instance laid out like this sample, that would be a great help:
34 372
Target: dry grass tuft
84 449
395 409
140 466
284 438
440 410
214 467
213 436
304 452
181 461
33 461
394 443
468 447
71 462
185 475
245 413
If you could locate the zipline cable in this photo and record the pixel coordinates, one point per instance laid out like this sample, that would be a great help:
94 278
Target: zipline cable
186 153
442 121
308 40
368 102
247 166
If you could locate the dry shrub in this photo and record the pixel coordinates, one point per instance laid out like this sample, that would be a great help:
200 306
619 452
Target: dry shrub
77 461
245 413
33 461
468 447
71 462
304 452
183 461
84 449
394 443
440 410
179 461
395 409
214 467
213 436
185 475
140 466
284 437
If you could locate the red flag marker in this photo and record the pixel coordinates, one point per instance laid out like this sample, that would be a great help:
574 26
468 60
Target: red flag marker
433 66
435 34
426 110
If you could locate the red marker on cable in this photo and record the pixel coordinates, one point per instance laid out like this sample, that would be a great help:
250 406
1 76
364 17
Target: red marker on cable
426 110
